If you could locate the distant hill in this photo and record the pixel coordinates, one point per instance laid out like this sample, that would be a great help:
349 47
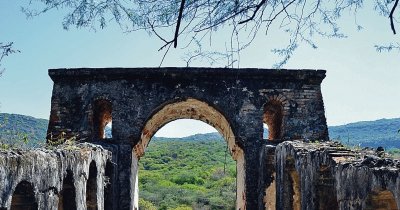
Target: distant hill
195 137
383 132
14 128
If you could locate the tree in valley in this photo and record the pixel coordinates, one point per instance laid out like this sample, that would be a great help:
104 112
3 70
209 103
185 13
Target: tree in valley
194 22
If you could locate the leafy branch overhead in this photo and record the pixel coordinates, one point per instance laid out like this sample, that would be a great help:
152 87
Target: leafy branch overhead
5 50
196 20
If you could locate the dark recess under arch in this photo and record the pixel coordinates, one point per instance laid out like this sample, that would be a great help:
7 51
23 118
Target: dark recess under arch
381 199
292 196
67 197
91 188
23 197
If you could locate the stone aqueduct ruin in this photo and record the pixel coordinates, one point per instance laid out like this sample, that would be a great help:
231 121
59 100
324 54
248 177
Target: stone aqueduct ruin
286 171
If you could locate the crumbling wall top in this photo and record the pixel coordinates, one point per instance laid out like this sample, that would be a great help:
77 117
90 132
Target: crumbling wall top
312 76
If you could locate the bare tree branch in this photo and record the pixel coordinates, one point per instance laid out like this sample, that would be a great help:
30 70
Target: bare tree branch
178 24
255 12
391 16
165 54
6 49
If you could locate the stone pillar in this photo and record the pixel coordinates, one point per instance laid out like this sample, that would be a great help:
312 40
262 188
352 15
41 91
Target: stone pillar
240 180
124 161
135 181
249 130
252 165
46 201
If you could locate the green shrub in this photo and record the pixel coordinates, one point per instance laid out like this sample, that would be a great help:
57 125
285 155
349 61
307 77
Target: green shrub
146 205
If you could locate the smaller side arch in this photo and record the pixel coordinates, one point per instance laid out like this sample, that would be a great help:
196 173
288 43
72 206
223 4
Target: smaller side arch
275 111
381 199
101 116
23 197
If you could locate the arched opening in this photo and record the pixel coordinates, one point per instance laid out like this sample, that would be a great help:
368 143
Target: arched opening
381 200
197 110
272 119
102 119
326 191
108 186
23 197
67 196
91 188
292 186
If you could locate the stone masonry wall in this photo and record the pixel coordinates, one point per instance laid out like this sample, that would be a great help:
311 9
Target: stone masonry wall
137 94
334 177
45 171
85 98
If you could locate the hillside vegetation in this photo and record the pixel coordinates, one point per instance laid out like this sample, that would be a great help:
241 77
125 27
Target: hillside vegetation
22 130
186 173
383 132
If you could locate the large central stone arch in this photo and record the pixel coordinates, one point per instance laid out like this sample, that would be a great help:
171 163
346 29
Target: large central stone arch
190 108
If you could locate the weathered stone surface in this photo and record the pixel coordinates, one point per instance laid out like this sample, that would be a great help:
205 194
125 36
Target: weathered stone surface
136 94
333 177
236 102
46 170
293 175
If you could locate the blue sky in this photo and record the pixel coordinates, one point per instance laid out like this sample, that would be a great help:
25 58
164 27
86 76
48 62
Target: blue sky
361 84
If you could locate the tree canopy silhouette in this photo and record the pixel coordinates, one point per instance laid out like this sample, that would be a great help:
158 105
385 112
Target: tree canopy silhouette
170 20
